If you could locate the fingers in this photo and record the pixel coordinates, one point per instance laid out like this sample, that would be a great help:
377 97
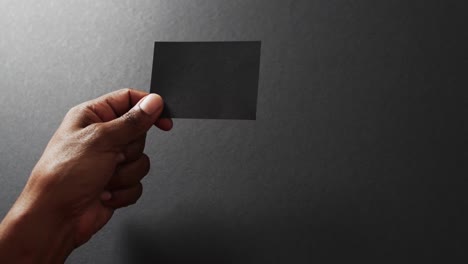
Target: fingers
104 108
122 105
136 122
164 124
115 104
130 174
125 187
124 197
134 150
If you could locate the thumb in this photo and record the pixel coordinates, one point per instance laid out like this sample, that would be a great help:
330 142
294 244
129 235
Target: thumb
137 121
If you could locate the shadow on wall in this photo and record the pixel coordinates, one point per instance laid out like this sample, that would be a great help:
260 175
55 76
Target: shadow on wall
336 234
183 240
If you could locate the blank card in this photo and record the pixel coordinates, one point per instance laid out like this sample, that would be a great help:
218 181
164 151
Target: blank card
207 80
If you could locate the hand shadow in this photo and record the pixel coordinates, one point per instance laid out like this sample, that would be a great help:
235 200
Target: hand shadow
184 239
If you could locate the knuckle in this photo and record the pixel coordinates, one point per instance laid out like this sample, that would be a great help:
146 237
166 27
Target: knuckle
138 194
124 91
131 118
81 114
146 164
135 149
75 111
98 131
94 133
141 144
79 107
134 119
131 197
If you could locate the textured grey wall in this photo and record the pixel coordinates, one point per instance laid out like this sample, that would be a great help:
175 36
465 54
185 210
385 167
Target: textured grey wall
358 151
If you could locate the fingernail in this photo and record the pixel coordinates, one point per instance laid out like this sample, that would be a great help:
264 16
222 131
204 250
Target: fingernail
106 196
151 104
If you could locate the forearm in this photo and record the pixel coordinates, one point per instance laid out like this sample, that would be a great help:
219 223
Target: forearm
31 233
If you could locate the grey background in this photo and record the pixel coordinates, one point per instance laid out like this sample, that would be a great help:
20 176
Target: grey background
358 151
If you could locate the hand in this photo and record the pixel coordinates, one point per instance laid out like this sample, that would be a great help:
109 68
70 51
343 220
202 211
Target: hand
92 165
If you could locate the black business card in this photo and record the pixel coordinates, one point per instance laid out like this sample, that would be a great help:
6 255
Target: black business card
207 80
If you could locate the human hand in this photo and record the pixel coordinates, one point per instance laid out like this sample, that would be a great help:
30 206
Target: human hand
92 165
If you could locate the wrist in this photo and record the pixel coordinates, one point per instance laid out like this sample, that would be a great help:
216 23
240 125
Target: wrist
33 233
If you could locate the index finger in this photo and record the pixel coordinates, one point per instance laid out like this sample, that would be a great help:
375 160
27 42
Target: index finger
115 104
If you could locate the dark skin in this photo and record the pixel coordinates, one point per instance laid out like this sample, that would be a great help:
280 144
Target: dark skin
92 166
